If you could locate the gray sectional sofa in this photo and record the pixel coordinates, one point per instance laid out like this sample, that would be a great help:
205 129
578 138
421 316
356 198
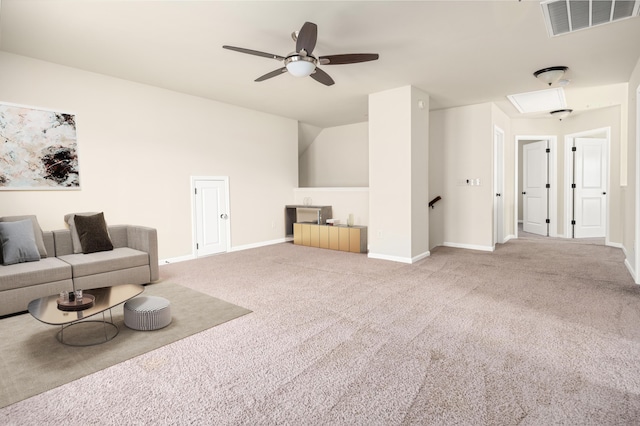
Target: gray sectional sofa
133 260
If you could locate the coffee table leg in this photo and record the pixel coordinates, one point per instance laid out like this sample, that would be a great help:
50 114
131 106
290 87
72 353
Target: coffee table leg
105 325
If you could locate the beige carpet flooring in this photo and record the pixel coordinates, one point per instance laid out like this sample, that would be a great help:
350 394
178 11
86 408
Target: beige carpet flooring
539 332
33 361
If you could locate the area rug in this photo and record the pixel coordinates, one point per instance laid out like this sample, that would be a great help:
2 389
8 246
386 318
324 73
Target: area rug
32 360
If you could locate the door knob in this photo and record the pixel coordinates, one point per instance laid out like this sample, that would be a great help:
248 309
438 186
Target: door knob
498 195
223 216
524 193
604 193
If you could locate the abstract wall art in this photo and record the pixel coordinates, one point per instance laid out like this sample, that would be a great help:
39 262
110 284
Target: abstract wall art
38 149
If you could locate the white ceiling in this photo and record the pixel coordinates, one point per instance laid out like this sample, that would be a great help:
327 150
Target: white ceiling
460 52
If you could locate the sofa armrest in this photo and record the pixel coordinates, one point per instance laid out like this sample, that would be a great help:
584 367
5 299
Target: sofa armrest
145 239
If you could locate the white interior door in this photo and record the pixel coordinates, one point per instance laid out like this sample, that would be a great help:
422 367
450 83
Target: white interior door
498 186
534 188
590 203
211 216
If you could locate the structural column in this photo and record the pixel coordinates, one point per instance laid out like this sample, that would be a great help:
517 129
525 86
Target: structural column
398 174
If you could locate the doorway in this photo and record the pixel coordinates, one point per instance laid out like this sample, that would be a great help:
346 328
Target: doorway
211 223
538 200
535 188
587 173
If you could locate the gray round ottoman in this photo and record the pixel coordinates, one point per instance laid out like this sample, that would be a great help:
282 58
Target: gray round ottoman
147 313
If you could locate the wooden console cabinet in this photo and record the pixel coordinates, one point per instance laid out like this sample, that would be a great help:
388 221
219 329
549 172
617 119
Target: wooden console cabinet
340 237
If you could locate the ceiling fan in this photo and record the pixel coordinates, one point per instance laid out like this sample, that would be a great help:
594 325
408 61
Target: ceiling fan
302 63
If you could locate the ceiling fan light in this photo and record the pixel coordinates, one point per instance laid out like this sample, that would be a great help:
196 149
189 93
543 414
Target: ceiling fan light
561 113
550 75
300 66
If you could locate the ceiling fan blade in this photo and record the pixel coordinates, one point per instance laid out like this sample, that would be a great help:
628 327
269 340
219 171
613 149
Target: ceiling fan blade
272 74
307 38
254 52
348 58
322 77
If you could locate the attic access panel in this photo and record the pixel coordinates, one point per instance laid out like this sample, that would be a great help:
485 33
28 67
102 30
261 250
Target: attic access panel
538 101
565 16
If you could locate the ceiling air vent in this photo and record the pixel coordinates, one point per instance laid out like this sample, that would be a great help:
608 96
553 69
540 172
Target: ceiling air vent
565 16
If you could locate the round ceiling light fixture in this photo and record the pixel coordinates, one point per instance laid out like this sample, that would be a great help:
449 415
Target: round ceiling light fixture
550 75
561 113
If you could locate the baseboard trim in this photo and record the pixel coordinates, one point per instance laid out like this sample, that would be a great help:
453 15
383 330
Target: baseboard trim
390 258
260 244
420 256
631 271
176 259
509 237
615 245
407 260
468 246
237 248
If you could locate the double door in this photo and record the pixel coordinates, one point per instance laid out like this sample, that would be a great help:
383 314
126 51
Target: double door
585 190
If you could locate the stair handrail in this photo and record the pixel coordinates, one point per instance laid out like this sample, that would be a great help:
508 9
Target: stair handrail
435 200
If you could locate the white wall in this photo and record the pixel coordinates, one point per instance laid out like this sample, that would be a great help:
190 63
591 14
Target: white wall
138 147
338 157
390 189
306 135
630 192
398 174
419 173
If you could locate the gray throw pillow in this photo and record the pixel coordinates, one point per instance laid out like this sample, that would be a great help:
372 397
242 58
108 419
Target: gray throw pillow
92 231
18 242
37 231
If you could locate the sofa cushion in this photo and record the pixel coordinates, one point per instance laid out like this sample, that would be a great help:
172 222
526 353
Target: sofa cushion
93 234
105 261
37 231
18 242
45 271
